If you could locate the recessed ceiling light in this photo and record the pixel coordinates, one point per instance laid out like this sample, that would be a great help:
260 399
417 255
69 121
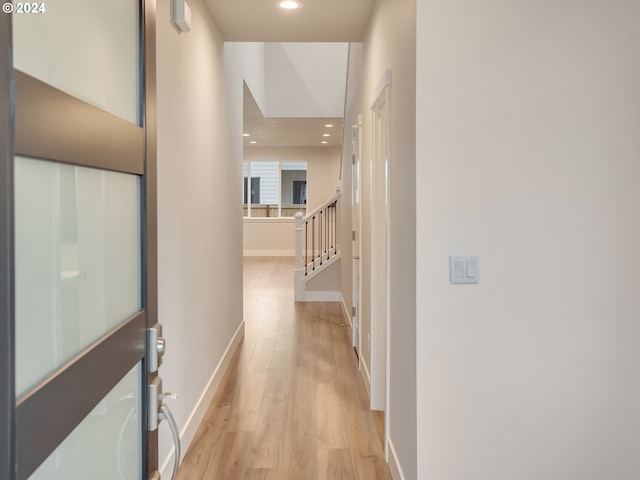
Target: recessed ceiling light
253 141
245 134
289 4
324 141
329 125
326 134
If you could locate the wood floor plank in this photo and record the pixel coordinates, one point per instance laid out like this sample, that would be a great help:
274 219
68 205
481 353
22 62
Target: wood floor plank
304 352
366 447
335 464
324 359
267 450
378 419
292 405
264 474
246 404
228 461
349 380
301 452
280 370
195 465
286 339
302 394
330 419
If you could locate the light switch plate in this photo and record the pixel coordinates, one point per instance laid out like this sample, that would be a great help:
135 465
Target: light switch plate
463 269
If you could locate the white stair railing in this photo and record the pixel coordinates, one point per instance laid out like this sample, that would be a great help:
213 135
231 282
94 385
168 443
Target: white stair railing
316 241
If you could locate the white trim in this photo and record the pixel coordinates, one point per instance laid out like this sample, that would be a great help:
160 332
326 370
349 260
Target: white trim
387 417
366 376
279 189
356 226
269 253
320 268
269 219
394 464
380 321
193 422
383 83
322 296
379 268
302 294
321 207
345 311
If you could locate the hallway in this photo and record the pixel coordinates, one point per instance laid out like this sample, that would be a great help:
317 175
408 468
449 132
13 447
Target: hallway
292 404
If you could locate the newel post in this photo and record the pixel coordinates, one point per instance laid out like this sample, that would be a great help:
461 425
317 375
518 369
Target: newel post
299 268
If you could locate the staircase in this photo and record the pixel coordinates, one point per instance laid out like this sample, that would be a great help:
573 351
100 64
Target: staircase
317 270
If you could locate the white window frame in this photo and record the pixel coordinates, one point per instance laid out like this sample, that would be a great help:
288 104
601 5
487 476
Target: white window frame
249 178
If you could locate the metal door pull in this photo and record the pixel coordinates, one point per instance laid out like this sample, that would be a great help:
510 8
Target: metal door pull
165 414
157 347
158 411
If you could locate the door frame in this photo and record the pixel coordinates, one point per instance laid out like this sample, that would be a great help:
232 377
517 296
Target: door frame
7 393
19 417
356 225
380 258
150 230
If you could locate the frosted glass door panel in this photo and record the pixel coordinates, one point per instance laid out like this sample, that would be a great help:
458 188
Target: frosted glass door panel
78 260
86 48
107 444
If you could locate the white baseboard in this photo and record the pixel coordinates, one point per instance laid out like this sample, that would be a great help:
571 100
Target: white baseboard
194 420
322 296
269 253
346 311
366 377
394 464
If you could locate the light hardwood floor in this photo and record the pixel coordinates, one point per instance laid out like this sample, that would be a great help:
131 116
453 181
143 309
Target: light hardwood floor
292 404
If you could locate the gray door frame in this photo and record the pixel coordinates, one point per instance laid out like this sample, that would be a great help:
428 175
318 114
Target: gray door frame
7 390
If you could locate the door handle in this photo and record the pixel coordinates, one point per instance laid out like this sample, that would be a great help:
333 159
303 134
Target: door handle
157 346
161 344
158 411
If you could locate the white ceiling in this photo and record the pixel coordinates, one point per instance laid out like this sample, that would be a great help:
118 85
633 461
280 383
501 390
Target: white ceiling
287 132
316 21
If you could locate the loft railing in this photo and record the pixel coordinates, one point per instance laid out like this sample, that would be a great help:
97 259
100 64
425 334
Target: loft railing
316 238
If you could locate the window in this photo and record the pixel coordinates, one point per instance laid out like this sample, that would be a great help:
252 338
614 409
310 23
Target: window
255 190
278 189
293 188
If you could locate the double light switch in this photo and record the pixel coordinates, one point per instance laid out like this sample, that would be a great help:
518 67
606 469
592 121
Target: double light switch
463 269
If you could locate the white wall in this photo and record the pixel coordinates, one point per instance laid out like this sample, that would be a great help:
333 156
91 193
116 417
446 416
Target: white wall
294 79
390 43
251 59
269 237
305 79
326 282
199 243
528 155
